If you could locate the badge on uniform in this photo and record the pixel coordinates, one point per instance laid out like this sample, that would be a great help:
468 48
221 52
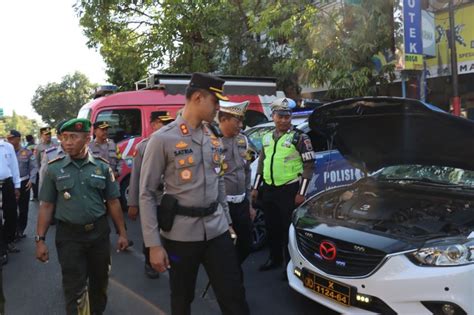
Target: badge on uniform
181 145
184 129
186 174
67 195
308 144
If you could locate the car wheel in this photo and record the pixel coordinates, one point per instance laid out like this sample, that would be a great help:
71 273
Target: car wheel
124 193
259 232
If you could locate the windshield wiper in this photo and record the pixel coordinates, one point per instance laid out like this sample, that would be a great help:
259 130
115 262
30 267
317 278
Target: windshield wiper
425 180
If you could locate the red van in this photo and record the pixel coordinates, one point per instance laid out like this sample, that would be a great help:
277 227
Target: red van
128 112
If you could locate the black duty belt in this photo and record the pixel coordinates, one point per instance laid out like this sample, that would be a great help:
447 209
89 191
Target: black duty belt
6 180
196 211
82 227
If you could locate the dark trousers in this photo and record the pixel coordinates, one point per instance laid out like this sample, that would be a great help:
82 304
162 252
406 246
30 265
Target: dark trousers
23 207
219 258
85 261
278 205
36 186
242 224
9 212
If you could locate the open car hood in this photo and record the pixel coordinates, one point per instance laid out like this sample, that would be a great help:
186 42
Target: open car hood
374 132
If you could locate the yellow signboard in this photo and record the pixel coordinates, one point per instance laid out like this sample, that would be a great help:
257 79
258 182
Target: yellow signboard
413 62
464 30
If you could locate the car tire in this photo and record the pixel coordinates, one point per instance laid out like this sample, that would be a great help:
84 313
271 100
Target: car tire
124 193
259 231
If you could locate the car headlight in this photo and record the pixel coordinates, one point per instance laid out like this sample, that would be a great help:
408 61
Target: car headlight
447 252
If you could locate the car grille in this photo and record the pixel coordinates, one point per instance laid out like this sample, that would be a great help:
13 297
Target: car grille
351 259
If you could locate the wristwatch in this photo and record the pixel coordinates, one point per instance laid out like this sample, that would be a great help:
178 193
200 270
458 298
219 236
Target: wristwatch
39 238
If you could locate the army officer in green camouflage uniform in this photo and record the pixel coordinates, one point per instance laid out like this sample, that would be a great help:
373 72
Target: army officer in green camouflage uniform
77 185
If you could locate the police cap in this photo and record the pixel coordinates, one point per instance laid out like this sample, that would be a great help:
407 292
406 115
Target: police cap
213 84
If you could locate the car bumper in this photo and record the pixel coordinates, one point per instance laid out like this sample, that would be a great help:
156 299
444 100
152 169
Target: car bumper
398 283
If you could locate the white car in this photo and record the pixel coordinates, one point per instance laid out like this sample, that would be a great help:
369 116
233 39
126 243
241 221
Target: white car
400 241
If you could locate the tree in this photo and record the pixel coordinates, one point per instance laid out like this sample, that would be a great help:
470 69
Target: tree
60 101
176 36
21 123
332 48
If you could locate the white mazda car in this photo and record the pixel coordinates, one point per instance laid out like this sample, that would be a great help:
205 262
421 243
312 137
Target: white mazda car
401 240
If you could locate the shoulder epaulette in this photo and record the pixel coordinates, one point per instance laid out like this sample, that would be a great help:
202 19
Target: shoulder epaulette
102 159
57 159
50 149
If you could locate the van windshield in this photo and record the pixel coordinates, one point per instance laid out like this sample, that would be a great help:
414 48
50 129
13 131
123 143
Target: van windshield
124 123
84 113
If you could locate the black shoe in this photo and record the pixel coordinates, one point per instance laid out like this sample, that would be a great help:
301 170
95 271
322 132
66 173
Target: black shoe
12 248
270 264
4 259
150 272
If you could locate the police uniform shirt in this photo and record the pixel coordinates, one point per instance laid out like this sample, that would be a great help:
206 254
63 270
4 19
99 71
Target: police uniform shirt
236 165
107 151
49 155
9 163
27 165
304 147
39 150
190 161
134 184
78 189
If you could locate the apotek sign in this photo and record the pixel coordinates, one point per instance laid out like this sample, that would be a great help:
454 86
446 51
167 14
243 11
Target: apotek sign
413 36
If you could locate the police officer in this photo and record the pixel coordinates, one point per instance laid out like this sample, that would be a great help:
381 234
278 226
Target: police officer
45 143
104 147
193 217
286 166
76 185
10 186
28 170
157 120
237 175
51 153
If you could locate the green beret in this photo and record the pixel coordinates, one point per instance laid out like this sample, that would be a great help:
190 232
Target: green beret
77 125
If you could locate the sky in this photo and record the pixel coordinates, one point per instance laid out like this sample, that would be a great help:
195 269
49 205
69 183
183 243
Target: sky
41 42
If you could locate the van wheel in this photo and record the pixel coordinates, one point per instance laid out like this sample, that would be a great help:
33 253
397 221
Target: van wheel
259 231
124 193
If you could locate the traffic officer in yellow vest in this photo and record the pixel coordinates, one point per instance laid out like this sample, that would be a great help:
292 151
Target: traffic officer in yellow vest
104 147
28 170
237 174
193 217
76 185
157 120
286 166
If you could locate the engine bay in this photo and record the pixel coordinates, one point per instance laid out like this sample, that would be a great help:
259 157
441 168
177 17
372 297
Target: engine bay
408 213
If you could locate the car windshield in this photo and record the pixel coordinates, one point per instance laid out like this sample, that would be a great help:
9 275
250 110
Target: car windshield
255 135
431 173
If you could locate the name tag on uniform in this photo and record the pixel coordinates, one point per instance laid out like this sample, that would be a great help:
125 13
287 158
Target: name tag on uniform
64 176
97 176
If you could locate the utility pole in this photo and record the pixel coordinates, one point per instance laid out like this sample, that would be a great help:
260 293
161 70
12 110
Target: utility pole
456 100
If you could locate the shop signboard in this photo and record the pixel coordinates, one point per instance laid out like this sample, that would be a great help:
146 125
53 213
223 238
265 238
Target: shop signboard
464 37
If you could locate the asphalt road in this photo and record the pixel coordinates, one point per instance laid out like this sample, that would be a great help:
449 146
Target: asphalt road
31 287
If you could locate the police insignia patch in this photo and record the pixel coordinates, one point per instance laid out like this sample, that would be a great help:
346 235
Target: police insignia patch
181 162
181 145
190 160
78 126
186 174
308 144
98 171
184 129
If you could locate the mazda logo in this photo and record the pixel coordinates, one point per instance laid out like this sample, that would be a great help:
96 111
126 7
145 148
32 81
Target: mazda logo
327 250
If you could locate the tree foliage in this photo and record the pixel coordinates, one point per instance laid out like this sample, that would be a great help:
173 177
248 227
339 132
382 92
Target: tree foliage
59 101
21 123
333 47
294 40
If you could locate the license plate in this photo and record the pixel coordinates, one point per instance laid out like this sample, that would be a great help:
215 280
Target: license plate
331 289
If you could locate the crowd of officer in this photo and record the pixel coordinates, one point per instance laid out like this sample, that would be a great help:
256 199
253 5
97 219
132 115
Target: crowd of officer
190 185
